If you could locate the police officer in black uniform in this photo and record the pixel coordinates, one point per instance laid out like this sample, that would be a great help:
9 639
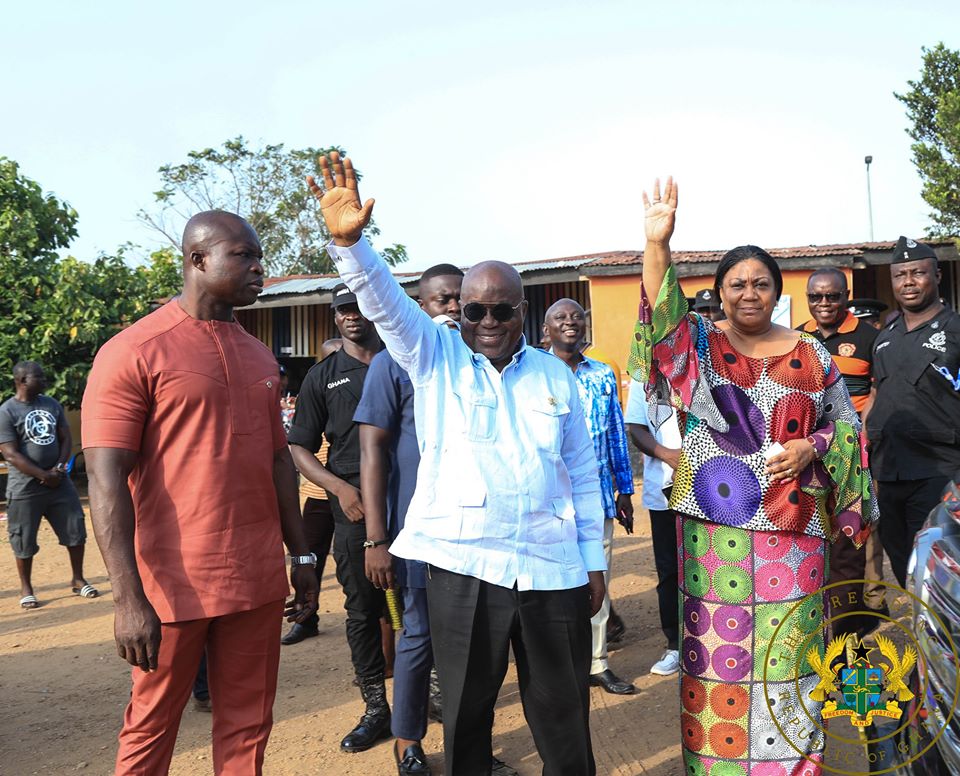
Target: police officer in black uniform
913 425
328 399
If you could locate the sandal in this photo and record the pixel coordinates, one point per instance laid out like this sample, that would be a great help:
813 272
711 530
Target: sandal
87 591
29 602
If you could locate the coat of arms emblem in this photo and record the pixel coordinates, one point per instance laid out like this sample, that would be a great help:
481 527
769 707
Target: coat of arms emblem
860 689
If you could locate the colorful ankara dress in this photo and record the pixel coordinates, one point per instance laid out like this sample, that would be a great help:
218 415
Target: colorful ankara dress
752 552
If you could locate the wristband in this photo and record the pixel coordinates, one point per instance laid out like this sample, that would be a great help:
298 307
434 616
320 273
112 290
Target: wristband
303 560
369 543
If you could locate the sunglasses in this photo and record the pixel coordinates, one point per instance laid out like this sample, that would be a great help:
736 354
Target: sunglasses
503 312
831 297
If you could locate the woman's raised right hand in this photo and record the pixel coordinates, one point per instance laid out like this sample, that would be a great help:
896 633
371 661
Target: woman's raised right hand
660 214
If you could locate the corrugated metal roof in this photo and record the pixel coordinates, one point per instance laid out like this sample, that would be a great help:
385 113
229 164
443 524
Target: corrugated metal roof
316 284
534 266
299 285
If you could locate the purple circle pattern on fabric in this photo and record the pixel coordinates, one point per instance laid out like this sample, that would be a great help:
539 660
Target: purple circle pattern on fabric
696 618
695 656
731 662
727 491
747 427
732 623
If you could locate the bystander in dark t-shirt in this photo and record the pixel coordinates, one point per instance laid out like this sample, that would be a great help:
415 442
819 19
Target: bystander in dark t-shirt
851 346
914 424
387 403
327 401
34 427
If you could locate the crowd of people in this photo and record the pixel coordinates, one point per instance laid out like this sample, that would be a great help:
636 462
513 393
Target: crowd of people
468 485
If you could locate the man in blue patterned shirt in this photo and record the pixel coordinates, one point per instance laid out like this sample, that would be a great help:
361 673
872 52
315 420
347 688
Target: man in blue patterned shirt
565 326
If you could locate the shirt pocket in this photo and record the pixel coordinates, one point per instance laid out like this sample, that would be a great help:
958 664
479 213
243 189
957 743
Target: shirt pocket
262 400
479 414
545 418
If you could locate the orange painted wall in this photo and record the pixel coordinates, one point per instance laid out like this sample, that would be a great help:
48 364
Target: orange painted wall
614 301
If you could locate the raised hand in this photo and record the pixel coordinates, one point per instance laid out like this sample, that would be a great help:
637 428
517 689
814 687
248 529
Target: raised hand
660 214
340 199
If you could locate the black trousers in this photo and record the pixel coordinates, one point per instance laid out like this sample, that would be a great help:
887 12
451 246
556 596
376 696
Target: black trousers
846 562
318 526
663 530
904 506
364 603
473 625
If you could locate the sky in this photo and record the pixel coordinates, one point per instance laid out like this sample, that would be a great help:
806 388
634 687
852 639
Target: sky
495 130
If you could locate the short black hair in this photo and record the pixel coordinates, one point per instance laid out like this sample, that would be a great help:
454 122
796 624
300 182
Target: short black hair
22 368
838 273
743 253
441 270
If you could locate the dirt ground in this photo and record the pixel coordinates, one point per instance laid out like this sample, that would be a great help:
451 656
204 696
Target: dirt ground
64 689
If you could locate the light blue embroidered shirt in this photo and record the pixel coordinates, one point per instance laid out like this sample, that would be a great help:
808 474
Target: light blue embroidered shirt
507 488
597 386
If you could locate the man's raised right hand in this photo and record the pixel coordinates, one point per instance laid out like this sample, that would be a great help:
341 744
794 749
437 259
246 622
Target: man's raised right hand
340 200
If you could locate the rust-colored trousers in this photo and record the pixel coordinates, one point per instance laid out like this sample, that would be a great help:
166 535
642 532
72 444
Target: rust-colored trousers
243 654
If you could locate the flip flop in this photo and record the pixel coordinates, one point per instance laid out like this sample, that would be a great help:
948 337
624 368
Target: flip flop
87 591
29 602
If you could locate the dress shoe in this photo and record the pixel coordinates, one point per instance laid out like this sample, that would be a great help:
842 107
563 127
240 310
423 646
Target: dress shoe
413 762
500 768
374 725
612 683
202 704
298 633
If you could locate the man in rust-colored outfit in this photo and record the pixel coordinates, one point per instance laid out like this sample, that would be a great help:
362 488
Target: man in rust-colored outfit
192 494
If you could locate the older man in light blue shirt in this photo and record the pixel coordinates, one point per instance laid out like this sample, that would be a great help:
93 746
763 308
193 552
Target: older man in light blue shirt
507 510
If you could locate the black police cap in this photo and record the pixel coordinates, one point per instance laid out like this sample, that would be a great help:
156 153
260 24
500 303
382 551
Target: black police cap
864 308
705 299
911 250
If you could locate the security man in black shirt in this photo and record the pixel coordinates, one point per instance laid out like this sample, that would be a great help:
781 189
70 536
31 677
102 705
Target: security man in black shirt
328 400
913 423
850 343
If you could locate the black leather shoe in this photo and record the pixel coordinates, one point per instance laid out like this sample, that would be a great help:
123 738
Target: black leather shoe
500 768
413 763
298 633
369 730
612 683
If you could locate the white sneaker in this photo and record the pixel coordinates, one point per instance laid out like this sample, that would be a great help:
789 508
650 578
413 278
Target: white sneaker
667 665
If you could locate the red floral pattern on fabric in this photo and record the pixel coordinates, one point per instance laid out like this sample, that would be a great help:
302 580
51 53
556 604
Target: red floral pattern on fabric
731 365
794 417
800 369
788 507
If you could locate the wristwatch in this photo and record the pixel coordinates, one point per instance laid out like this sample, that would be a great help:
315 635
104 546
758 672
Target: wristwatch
369 543
303 560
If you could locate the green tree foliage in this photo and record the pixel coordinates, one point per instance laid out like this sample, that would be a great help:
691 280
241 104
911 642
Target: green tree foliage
933 107
264 185
60 311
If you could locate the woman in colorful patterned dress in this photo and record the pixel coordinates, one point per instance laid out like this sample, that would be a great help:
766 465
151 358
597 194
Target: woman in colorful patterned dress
771 469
